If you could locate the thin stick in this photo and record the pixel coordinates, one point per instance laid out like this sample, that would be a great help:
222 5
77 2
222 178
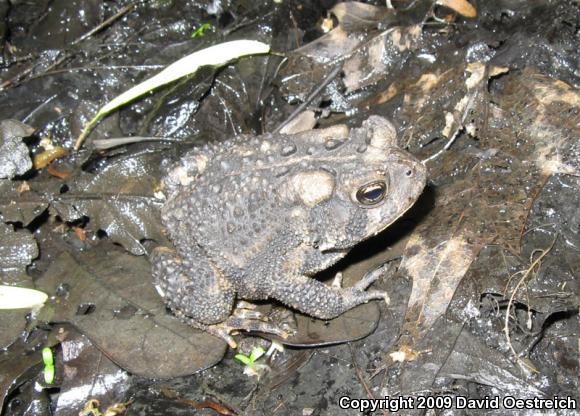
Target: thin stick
311 97
106 23
361 378
507 314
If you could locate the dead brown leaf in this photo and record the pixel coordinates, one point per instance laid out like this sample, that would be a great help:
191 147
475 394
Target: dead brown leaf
367 52
486 190
463 7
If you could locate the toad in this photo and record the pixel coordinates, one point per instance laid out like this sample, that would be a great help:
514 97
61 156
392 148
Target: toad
257 217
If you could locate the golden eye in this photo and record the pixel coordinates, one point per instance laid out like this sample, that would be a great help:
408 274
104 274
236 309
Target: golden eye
372 193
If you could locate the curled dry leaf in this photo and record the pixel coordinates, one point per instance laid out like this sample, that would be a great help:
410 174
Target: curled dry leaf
368 54
463 7
43 159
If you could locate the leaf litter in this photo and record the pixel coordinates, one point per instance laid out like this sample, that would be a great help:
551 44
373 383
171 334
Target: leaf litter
499 138
104 295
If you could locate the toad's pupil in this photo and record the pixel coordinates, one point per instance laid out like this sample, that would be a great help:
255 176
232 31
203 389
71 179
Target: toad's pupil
373 193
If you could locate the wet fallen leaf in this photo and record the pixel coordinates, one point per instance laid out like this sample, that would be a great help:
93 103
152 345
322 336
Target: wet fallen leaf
472 360
17 250
283 367
368 54
12 323
20 204
380 56
119 200
354 324
107 298
87 373
16 367
460 355
490 202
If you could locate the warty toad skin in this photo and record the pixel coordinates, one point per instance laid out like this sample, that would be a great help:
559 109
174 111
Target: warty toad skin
256 217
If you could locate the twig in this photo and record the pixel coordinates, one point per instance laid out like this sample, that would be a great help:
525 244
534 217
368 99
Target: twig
525 274
97 68
106 23
103 144
310 98
16 79
361 378
43 104
460 128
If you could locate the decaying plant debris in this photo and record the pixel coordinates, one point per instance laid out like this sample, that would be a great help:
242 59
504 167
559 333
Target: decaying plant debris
482 273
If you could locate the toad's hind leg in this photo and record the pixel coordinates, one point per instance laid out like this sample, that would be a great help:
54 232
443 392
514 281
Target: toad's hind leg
202 297
194 288
316 299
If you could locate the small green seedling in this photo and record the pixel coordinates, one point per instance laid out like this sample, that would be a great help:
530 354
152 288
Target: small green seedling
200 31
48 360
254 355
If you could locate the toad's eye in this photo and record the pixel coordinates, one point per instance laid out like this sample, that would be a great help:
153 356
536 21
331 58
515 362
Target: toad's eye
372 193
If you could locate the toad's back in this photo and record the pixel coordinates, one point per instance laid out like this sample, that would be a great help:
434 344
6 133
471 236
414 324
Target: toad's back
236 195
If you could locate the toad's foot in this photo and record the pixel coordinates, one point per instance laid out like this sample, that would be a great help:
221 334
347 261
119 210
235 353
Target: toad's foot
245 318
371 277
368 279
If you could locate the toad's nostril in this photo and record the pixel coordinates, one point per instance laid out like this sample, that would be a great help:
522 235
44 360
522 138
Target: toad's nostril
409 172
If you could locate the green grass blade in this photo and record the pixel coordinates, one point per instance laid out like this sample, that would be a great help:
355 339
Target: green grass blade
243 359
257 353
216 56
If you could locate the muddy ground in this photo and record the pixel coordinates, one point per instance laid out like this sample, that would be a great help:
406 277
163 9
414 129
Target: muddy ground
482 272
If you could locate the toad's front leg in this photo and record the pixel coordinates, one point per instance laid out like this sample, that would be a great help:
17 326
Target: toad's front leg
198 293
316 299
